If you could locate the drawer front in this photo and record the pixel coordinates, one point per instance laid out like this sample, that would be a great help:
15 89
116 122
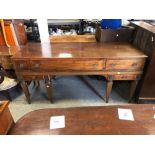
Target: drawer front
124 77
127 64
21 65
62 65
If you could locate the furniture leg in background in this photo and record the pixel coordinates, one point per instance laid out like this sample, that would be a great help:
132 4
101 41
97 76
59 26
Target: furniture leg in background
24 86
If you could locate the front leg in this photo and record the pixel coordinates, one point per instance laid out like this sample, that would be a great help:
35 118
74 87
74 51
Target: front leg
24 86
109 88
48 87
133 88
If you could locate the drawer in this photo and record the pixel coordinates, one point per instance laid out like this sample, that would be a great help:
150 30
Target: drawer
125 64
124 77
62 65
21 65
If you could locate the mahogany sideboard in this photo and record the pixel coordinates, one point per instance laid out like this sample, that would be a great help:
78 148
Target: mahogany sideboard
113 60
89 121
6 119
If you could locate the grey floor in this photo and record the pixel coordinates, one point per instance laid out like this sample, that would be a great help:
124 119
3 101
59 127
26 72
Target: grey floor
68 91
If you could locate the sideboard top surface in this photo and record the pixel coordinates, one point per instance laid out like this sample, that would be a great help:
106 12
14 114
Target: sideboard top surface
79 50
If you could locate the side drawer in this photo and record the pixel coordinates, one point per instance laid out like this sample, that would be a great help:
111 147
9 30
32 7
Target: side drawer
124 77
62 65
21 65
125 64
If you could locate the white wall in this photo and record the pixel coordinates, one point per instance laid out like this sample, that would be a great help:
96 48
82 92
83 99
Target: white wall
43 30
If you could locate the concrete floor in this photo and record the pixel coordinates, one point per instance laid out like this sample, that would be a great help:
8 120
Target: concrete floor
69 91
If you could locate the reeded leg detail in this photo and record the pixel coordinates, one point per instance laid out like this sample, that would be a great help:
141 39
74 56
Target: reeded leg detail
26 90
48 87
109 88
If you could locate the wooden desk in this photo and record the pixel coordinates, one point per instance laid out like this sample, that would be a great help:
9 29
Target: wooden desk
89 121
6 120
114 60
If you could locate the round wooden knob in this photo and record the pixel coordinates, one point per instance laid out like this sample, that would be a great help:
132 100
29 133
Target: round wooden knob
33 77
36 65
112 65
134 64
21 66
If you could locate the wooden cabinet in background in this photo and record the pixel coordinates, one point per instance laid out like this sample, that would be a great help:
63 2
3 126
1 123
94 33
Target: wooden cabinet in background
6 120
145 41
20 32
15 36
14 31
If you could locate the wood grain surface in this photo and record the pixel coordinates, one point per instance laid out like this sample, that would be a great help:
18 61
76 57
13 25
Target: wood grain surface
89 121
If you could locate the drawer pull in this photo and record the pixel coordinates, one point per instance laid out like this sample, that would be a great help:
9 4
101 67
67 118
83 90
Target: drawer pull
95 65
134 64
21 66
112 65
123 77
36 65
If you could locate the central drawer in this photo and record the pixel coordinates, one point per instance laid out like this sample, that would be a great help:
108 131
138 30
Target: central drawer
62 65
125 64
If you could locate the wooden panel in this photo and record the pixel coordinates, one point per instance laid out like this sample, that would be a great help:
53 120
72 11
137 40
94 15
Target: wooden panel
46 65
73 38
129 64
